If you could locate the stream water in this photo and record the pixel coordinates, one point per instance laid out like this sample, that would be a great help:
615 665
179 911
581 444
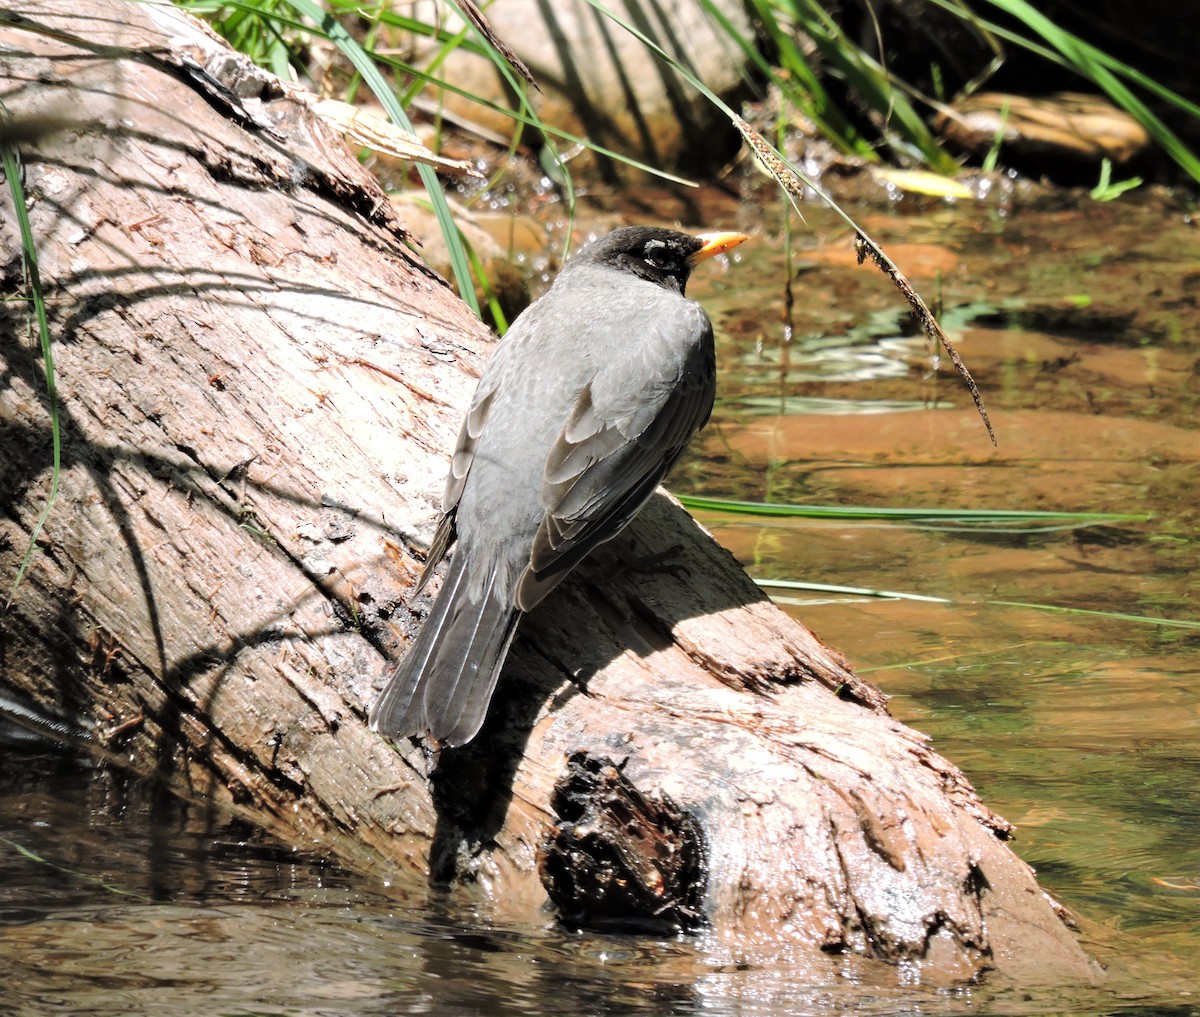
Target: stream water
1081 323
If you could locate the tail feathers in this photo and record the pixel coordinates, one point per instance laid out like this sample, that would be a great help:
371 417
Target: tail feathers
445 682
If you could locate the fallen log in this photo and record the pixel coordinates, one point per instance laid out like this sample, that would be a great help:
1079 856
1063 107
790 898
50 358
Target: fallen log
258 387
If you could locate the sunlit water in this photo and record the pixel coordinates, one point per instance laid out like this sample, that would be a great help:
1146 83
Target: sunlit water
1083 331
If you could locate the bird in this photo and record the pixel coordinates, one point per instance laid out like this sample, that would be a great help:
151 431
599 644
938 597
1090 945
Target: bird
590 398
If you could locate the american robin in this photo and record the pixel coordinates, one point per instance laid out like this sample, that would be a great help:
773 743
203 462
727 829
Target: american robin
588 402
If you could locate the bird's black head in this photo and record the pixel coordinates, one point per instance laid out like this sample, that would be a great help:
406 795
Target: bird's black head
662 256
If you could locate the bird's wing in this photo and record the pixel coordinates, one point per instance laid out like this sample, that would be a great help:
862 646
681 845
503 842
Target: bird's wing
621 440
468 438
460 465
504 360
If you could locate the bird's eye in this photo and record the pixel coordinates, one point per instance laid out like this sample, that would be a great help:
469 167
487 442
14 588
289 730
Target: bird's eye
657 255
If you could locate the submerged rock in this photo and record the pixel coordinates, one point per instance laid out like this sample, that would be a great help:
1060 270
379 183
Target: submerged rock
1064 130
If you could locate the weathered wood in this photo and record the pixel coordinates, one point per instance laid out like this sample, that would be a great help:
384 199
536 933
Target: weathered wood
259 384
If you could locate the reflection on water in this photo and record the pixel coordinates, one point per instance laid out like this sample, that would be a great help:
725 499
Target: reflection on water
1081 729
878 349
1082 329
111 902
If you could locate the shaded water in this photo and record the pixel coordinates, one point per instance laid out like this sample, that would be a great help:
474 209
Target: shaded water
1082 327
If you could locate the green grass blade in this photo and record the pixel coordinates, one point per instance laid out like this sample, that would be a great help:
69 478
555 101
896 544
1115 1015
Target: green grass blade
860 591
968 516
12 172
365 66
449 45
75 874
1177 623
273 19
489 292
853 591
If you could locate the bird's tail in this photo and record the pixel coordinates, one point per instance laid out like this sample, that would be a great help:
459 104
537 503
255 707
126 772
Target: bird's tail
445 682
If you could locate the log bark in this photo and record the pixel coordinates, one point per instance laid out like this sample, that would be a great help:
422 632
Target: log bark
259 384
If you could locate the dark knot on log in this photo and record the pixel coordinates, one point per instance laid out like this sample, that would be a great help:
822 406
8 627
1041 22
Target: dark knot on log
618 857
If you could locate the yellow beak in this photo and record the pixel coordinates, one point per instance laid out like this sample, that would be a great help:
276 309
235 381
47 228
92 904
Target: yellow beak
717 243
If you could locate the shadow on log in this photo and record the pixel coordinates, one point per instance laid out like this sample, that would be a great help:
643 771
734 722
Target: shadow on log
259 384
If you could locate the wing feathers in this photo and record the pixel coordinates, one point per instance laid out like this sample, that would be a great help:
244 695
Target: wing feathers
603 467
